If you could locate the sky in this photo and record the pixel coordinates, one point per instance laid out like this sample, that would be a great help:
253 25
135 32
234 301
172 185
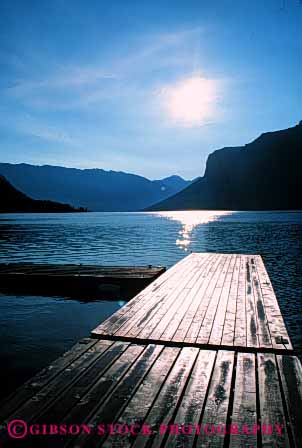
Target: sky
146 87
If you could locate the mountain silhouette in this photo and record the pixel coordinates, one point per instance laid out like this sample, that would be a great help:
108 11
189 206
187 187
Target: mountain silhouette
96 189
14 201
262 175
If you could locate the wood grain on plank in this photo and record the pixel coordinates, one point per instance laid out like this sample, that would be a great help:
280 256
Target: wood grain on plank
154 291
65 403
291 377
148 317
196 293
109 411
166 404
178 327
221 309
207 323
240 322
251 315
274 317
141 403
271 405
262 323
244 410
190 408
217 404
228 334
176 309
205 298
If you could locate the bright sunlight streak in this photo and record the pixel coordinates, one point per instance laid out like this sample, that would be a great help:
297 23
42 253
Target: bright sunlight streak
189 220
192 101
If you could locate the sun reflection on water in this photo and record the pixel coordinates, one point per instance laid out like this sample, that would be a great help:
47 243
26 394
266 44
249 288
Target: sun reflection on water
189 220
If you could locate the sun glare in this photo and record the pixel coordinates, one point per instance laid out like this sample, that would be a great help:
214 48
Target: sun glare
191 102
189 220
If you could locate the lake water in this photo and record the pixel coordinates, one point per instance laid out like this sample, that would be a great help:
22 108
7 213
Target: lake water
35 330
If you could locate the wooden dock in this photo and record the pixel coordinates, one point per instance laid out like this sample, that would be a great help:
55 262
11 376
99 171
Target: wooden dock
200 358
84 281
206 300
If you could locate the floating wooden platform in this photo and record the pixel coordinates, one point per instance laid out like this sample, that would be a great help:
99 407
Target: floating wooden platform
225 381
206 299
83 281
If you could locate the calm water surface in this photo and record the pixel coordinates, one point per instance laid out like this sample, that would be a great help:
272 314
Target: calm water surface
35 330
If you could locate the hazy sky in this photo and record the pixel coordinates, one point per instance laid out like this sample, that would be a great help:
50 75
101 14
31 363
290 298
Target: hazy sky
148 87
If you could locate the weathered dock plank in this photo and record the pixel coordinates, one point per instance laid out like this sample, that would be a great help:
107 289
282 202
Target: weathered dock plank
209 300
271 308
184 397
78 280
290 370
245 401
271 404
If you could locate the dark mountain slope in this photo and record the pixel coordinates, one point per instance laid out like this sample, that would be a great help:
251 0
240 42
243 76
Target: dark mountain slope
264 174
14 201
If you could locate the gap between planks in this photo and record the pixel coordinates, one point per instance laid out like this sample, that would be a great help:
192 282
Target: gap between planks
171 343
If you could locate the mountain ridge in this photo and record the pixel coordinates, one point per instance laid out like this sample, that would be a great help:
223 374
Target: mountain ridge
93 188
261 175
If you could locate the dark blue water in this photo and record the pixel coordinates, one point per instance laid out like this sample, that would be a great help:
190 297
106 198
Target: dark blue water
36 330
46 327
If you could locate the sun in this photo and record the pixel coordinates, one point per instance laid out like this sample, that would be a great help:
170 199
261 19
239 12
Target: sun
192 101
